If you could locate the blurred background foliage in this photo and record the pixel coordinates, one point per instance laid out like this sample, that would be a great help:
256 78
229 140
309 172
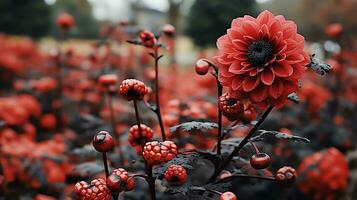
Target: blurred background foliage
202 20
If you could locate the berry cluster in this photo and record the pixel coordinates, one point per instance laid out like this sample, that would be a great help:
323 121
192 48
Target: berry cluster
156 153
132 89
175 174
134 136
97 189
324 173
120 181
286 175
232 108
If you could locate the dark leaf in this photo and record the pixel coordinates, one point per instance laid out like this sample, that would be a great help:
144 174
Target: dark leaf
88 169
319 66
84 153
263 134
193 126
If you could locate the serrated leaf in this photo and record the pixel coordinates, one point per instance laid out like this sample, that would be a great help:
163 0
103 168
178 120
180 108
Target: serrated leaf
193 126
319 66
263 134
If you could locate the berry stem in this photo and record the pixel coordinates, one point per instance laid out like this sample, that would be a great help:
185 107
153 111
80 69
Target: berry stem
148 169
157 95
242 143
105 162
249 176
254 146
112 120
219 134
137 117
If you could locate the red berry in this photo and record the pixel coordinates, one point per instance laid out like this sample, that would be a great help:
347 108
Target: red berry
334 30
227 196
286 175
132 89
97 189
147 38
156 153
231 108
175 174
103 141
120 181
65 21
168 30
260 161
108 80
202 67
134 136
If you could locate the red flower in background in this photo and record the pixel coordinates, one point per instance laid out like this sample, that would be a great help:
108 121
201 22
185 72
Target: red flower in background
65 21
261 58
334 30
324 173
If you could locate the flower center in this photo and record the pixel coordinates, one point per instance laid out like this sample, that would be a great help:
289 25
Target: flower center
259 53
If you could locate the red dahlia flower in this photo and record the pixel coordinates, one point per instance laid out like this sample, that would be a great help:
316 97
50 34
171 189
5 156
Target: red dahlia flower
261 58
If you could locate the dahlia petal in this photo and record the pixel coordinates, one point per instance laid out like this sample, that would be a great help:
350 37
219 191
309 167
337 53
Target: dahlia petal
240 45
275 27
294 58
241 56
250 83
253 72
250 28
276 89
267 77
264 32
290 86
282 70
236 83
259 94
248 39
238 68
264 17
224 44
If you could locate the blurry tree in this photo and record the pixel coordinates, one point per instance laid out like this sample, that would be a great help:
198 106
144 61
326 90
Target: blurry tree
209 19
81 10
24 17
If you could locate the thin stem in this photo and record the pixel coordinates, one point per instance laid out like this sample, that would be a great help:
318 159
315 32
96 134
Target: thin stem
157 89
138 124
219 134
105 162
148 168
242 143
254 146
249 176
113 122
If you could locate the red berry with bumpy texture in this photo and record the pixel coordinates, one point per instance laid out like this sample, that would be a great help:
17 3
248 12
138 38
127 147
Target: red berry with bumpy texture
202 67
97 189
147 38
231 108
156 153
65 21
134 136
286 175
132 89
103 142
108 80
175 174
227 196
120 181
260 161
